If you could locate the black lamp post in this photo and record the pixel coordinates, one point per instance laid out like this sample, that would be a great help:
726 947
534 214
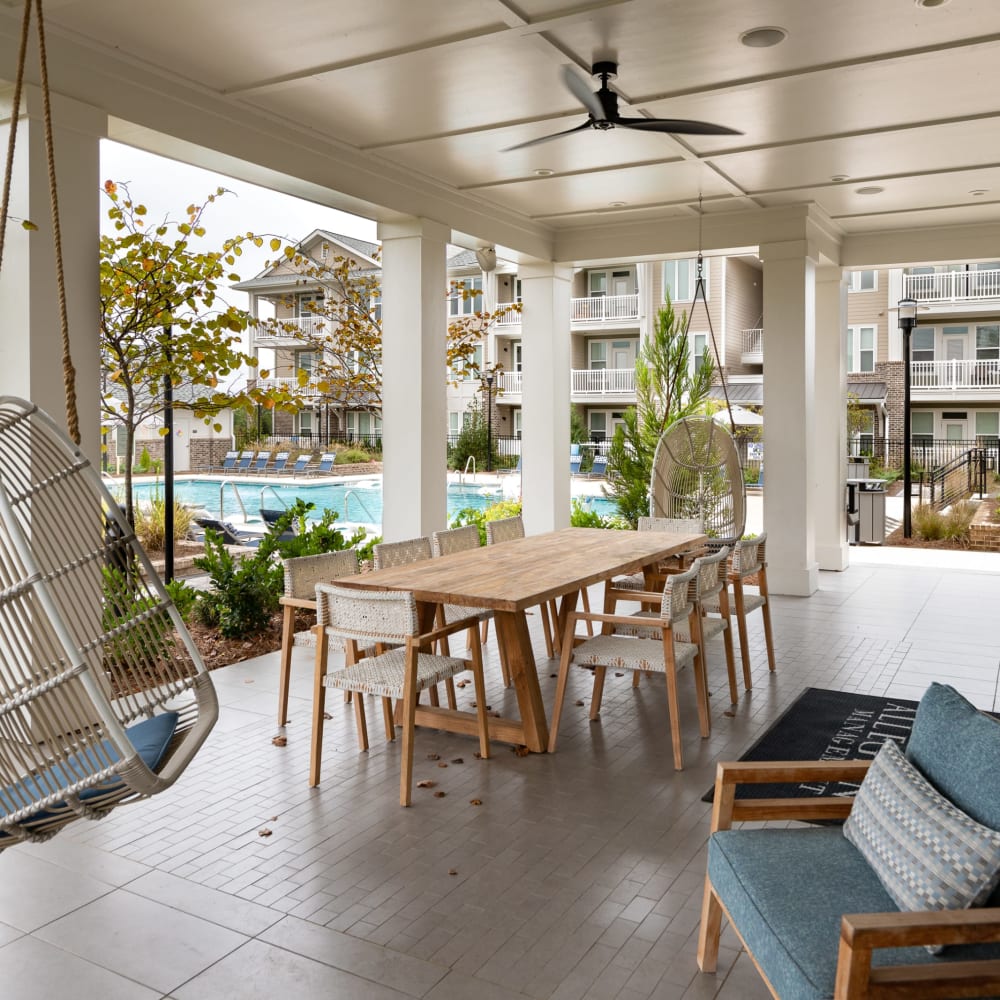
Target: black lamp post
907 321
487 379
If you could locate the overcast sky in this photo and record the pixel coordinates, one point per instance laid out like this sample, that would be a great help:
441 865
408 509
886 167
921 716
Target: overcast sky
167 187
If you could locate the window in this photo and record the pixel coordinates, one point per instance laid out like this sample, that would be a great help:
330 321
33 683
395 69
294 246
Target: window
988 428
598 425
861 348
864 435
922 344
922 427
308 303
470 372
462 305
305 422
862 281
598 355
679 277
516 349
361 423
517 289
699 348
987 343
597 283
611 281
454 423
305 361
517 424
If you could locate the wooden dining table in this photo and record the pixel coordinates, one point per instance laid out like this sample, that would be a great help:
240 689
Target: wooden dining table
510 578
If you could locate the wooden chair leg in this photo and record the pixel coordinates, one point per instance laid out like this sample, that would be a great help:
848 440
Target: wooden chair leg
766 615
636 677
701 675
361 721
741 622
710 930
564 664
727 639
387 720
285 676
433 693
480 686
449 691
546 630
319 705
556 637
409 725
585 598
597 695
672 709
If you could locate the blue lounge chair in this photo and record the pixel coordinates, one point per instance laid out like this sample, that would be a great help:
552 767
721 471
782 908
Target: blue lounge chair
574 463
260 463
326 463
229 461
243 465
280 461
600 466
231 535
301 464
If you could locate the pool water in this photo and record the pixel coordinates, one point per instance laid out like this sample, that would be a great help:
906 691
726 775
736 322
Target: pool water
356 501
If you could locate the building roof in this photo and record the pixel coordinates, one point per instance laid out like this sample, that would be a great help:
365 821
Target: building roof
868 392
752 393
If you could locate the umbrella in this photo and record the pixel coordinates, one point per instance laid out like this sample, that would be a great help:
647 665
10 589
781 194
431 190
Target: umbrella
742 417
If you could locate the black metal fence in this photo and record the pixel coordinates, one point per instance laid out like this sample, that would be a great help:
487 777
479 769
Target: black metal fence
316 442
927 454
958 479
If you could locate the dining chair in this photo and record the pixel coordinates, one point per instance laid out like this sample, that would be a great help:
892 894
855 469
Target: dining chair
749 561
461 539
301 576
650 646
385 555
400 673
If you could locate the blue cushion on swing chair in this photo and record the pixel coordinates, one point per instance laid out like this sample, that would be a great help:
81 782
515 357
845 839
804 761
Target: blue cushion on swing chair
150 738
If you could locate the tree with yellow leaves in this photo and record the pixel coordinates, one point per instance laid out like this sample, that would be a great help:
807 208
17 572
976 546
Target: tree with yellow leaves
162 315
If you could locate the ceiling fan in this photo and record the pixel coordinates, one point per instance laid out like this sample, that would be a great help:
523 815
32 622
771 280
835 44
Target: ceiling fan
603 107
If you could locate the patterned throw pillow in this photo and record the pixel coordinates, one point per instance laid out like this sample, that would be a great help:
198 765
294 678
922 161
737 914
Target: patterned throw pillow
927 853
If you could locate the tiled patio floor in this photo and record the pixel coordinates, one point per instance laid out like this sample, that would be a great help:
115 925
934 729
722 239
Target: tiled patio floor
579 876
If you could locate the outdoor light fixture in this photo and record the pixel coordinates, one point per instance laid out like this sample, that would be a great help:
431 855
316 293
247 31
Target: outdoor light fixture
907 321
488 378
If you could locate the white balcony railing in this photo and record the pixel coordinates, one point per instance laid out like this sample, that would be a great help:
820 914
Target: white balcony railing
954 374
952 286
753 341
508 319
294 332
603 382
285 383
605 309
583 382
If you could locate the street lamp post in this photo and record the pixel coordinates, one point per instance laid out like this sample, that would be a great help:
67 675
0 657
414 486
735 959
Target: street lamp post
907 321
487 379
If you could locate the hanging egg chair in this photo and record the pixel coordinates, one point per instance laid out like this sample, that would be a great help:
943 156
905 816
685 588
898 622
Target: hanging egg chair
103 696
697 474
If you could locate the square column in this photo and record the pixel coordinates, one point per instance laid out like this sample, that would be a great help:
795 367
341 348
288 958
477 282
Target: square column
831 418
31 346
414 409
545 324
789 416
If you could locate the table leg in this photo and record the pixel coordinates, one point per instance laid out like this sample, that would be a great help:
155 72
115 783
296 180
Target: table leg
515 646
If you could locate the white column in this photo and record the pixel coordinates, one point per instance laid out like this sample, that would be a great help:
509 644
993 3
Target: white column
31 347
831 418
789 416
545 295
414 412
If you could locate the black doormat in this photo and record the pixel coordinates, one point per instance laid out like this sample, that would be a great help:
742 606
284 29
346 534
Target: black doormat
827 725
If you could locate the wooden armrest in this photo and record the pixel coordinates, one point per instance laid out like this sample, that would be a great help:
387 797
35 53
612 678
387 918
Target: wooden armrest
860 933
727 809
597 616
297 602
425 638
638 596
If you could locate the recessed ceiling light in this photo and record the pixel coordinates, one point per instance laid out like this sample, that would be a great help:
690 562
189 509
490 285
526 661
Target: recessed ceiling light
544 172
931 3
978 192
617 204
763 38
840 178
870 189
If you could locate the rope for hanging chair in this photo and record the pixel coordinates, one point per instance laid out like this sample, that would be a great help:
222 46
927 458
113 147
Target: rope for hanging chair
69 372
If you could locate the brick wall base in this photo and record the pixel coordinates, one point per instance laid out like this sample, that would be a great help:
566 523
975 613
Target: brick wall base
984 534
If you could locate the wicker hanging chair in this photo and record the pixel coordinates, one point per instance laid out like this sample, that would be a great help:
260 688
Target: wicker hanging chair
697 473
103 696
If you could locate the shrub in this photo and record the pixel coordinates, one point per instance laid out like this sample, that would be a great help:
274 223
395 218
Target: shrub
352 456
584 517
150 523
958 520
928 523
184 597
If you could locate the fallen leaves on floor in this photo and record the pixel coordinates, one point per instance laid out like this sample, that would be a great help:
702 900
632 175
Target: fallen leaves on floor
264 833
520 751
434 756
440 795
426 784
280 741
475 802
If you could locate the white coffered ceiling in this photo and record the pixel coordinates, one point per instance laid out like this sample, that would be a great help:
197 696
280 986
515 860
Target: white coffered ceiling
409 103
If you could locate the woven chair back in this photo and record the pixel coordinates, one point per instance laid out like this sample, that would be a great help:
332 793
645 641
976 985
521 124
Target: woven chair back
90 642
303 572
385 555
697 474
370 616
504 530
443 543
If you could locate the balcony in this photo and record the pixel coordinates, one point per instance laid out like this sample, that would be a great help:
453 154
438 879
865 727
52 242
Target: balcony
587 385
949 378
753 347
597 310
952 286
292 384
310 326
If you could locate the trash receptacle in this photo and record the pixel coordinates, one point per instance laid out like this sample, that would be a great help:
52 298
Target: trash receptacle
871 512
857 467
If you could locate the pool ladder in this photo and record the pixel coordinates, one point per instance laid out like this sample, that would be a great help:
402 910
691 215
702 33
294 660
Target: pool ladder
361 504
236 493
471 460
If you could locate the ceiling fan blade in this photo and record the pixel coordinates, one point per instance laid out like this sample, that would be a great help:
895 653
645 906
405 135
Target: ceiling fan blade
547 138
580 89
677 126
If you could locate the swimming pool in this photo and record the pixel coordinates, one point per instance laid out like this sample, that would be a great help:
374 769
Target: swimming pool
356 501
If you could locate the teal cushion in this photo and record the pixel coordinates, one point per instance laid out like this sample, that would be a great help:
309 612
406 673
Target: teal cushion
786 890
957 748
151 737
